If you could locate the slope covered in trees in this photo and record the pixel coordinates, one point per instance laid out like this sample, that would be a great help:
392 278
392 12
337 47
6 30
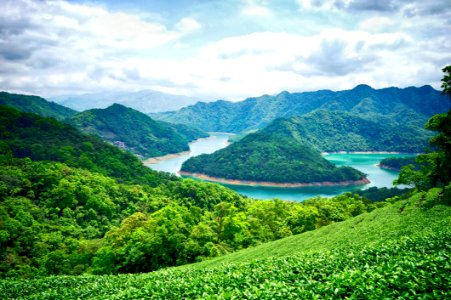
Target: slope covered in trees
136 131
29 135
278 153
398 113
398 251
332 131
36 105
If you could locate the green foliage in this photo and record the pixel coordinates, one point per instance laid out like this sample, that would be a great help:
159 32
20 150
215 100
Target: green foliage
396 163
28 135
375 194
36 105
138 132
434 168
55 219
277 153
361 119
399 251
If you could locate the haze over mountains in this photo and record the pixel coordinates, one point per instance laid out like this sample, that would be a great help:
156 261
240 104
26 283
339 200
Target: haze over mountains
146 101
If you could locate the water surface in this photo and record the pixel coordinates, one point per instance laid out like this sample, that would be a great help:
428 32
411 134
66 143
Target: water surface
364 162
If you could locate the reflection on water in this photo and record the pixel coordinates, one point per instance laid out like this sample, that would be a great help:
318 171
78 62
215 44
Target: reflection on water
363 162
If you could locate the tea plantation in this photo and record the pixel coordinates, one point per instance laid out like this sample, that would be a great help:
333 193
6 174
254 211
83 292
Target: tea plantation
402 250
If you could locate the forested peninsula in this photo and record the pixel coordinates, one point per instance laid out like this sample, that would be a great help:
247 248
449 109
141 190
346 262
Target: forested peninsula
274 156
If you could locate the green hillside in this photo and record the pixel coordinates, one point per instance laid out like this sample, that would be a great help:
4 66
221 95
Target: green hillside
333 131
413 104
38 138
398 251
36 105
278 153
135 131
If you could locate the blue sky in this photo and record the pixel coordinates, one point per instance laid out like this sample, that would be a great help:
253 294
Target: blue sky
221 49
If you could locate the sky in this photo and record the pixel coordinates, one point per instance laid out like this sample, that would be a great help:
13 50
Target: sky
225 49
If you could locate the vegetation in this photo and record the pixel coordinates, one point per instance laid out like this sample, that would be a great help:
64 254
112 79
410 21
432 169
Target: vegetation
277 153
396 163
435 167
375 194
398 251
28 135
61 220
136 131
383 118
36 105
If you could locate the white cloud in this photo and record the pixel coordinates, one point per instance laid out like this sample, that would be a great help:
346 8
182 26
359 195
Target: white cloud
55 47
255 8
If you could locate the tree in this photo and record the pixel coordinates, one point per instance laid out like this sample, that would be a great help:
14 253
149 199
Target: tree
436 166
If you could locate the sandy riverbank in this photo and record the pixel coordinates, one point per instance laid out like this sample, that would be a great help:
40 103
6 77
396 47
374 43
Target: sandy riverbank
155 160
273 184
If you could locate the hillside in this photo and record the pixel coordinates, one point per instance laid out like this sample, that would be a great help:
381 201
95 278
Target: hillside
402 112
145 101
277 154
38 138
36 105
398 251
333 131
135 131
413 104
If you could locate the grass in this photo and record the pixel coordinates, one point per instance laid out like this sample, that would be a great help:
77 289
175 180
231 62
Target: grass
399 251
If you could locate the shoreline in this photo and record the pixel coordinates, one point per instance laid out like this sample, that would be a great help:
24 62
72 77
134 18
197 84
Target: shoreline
273 184
155 160
388 168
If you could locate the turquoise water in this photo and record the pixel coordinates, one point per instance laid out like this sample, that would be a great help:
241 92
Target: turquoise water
364 162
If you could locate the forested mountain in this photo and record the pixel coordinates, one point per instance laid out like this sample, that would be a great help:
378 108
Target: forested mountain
332 131
146 101
29 135
37 105
278 153
396 163
402 111
135 131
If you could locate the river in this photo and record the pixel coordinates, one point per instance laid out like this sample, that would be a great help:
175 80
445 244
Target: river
363 162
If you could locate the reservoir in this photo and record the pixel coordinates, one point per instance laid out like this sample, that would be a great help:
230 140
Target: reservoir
365 162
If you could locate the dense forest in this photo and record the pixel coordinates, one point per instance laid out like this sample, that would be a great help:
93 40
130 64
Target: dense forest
278 154
394 117
36 105
396 163
135 131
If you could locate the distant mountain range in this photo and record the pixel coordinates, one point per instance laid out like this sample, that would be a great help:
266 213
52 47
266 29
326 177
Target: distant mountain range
361 119
135 131
412 104
146 101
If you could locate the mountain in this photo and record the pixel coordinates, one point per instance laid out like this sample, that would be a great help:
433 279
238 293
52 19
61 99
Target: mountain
277 154
29 135
37 105
136 131
146 101
406 109
333 131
